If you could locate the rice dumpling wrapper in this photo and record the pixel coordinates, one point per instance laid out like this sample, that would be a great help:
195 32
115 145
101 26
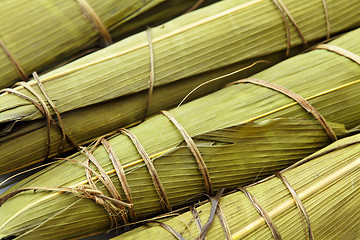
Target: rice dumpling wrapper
38 35
326 187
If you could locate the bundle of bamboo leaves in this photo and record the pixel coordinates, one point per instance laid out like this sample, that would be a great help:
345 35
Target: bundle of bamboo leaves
236 131
107 89
37 35
326 183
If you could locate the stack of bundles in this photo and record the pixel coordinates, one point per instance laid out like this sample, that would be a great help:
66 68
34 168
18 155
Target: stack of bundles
37 35
317 198
232 137
109 89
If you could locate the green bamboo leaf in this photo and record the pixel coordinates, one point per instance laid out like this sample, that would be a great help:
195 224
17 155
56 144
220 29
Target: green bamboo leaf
41 35
108 89
328 187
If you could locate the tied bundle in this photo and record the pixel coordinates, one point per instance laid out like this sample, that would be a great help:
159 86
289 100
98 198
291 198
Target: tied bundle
37 35
155 69
232 137
316 198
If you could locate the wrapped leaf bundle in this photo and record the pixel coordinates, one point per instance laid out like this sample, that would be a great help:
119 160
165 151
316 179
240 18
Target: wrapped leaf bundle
37 35
237 139
108 89
327 186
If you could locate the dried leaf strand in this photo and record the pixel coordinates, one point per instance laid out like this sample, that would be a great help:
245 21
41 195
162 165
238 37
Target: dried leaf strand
95 19
170 230
299 204
224 224
195 151
300 100
152 72
291 18
327 19
274 231
165 204
214 207
20 71
108 183
121 175
340 51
